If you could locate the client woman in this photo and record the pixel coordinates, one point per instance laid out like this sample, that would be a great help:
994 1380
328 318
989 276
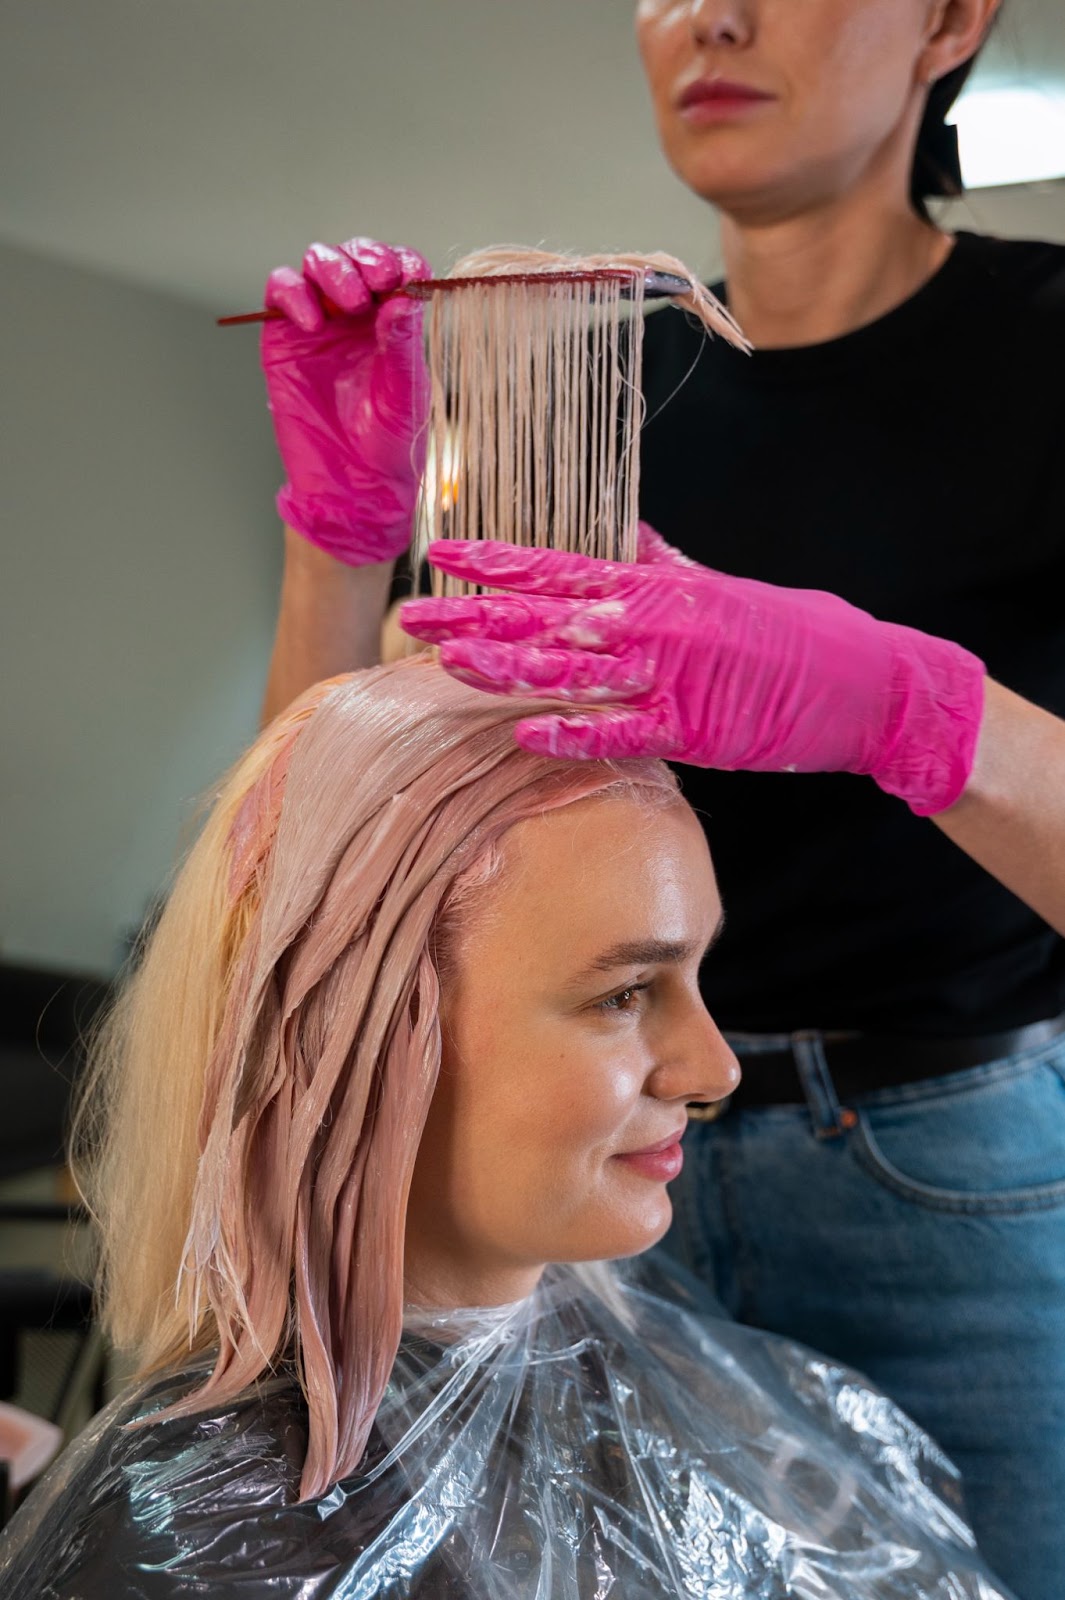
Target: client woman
416 1033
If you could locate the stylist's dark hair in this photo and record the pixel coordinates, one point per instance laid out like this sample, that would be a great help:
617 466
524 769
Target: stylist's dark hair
936 162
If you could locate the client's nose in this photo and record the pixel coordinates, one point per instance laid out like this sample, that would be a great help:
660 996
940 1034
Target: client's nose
697 1063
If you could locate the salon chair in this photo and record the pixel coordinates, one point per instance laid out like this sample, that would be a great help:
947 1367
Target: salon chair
52 1358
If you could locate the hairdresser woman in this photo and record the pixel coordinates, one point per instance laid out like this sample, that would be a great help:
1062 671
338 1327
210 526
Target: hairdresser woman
889 1184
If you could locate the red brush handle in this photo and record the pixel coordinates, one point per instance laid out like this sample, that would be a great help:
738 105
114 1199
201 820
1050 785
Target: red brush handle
272 314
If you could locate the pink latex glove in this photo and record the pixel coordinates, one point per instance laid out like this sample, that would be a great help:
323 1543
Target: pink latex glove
349 396
669 658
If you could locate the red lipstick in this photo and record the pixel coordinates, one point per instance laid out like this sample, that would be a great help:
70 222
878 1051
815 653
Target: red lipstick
718 99
660 1162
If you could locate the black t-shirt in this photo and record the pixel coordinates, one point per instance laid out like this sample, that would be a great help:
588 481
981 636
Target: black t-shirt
916 468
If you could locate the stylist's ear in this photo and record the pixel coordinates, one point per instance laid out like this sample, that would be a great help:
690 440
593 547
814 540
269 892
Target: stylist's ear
955 31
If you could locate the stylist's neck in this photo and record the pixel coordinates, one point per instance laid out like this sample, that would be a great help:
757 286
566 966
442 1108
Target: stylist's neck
805 276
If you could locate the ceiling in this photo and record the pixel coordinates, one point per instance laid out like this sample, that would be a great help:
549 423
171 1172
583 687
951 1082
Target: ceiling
193 144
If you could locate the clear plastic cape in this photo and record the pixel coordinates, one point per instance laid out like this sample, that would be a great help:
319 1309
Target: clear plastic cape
603 1438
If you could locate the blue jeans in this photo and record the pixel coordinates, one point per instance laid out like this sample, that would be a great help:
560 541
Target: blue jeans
925 1245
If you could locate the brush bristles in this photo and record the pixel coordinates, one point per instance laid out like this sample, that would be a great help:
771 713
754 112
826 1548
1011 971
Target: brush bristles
536 400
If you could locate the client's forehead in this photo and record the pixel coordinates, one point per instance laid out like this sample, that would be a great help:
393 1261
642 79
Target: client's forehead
602 872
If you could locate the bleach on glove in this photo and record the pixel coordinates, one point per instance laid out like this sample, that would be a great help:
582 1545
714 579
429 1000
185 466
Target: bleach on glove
664 657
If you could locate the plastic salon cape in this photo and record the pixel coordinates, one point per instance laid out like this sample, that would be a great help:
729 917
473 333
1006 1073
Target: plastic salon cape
595 1440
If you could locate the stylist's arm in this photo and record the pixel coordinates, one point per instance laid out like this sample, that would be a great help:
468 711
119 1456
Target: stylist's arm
348 390
667 658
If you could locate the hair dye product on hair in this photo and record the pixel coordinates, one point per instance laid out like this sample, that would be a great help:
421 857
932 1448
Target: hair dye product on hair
536 401
256 1105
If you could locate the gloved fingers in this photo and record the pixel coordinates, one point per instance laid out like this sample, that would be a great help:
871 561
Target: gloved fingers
600 625
398 331
413 265
378 263
499 617
399 320
385 266
400 375
499 565
543 672
338 277
652 550
613 734
289 291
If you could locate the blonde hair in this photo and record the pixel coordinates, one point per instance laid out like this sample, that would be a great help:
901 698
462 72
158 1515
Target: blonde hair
256 1100
536 398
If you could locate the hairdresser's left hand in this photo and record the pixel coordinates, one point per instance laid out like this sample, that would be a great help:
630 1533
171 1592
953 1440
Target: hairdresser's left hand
669 658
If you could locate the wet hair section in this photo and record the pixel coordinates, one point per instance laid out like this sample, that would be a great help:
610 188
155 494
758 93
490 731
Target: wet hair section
257 1100
536 405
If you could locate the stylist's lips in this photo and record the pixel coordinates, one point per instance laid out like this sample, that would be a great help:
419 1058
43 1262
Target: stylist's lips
718 99
661 1162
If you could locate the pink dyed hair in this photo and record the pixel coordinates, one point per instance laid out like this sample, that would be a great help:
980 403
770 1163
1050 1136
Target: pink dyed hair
269 1071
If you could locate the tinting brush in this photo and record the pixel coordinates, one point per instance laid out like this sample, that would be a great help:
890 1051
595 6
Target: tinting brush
656 286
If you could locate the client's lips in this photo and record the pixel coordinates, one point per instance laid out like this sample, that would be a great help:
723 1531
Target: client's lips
708 99
660 1162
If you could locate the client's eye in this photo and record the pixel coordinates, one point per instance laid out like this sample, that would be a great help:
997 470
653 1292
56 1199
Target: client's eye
625 999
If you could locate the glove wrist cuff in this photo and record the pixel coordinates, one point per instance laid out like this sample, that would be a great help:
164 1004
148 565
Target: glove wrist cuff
938 689
344 531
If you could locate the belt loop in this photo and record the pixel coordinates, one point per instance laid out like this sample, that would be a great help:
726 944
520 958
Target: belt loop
830 1119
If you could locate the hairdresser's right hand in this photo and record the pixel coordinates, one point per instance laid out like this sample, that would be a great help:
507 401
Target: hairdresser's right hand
348 389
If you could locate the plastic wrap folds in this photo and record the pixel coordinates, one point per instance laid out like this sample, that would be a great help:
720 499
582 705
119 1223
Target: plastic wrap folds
597 1440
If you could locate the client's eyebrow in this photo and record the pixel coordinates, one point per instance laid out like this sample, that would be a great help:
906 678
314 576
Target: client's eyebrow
648 953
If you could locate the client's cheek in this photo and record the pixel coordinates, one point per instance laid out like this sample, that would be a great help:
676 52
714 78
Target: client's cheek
552 1096
612 1087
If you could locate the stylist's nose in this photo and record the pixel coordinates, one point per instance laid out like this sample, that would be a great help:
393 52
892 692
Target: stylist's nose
694 1062
721 22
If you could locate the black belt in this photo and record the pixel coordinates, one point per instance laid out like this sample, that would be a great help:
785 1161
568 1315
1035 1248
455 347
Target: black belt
861 1063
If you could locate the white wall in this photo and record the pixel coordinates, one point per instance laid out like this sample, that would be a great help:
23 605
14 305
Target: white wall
1030 211
140 564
